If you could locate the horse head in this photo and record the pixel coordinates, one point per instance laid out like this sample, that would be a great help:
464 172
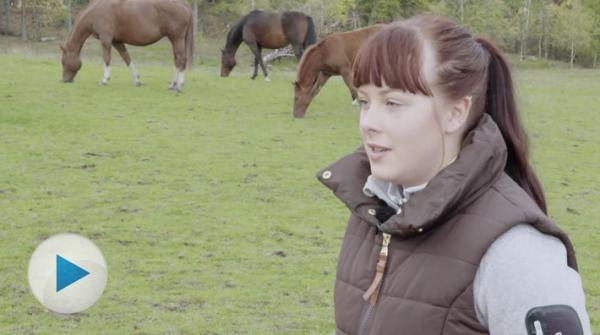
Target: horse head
303 95
71 63
302 98
228 62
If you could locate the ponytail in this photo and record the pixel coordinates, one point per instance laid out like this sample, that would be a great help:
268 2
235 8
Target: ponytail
501 106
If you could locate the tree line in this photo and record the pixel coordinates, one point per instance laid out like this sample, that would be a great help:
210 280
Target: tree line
566 30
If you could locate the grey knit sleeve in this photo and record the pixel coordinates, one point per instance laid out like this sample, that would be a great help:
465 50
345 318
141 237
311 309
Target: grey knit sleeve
522 269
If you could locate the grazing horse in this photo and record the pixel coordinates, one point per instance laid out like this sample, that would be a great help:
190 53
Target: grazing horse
267 30
334 55
116 22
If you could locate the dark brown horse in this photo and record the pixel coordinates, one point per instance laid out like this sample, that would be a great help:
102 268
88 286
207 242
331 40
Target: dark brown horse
334 55
119 22
267 30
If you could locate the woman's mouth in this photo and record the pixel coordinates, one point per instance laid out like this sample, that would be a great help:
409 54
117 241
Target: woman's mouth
376 152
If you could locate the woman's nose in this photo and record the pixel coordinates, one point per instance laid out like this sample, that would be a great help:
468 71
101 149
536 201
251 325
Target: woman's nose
369 120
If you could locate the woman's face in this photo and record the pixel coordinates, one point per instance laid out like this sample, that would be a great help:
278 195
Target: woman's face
401 134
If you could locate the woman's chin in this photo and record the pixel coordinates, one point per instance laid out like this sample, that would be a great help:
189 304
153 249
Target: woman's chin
382 175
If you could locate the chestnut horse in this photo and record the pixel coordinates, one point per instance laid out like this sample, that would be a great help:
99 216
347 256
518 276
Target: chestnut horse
267 30
119 22
334 55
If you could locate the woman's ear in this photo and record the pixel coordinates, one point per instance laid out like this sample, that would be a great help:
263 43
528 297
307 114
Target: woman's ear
457 115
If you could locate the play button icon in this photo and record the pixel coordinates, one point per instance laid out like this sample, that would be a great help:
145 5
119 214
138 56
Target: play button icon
67 273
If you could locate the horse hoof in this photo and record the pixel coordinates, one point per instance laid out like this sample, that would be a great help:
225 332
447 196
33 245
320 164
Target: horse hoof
175 88
137 84
267 79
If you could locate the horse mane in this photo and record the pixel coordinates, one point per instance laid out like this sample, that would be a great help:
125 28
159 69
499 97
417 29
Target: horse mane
235 36
85 11
78 21
78 18
309 61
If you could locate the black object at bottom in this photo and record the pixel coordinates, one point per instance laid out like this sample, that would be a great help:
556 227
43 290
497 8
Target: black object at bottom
553 320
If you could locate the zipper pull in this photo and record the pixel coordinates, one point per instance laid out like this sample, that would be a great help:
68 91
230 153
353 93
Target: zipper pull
386 242
373 290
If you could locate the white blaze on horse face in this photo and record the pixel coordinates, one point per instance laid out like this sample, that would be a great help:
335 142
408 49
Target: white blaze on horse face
106 76
134 74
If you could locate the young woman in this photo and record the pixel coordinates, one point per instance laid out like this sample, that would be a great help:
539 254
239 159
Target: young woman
448 232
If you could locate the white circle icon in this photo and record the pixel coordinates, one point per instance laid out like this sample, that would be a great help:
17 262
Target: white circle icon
67 273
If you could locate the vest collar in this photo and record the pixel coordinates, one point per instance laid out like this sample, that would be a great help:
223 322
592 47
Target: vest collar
479 164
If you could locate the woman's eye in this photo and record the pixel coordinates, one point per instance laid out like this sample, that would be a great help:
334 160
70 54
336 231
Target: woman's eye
393 103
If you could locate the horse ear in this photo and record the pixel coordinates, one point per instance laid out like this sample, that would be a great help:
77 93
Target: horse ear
62 47
295 83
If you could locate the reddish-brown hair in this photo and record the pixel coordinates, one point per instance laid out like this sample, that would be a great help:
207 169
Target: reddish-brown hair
465 66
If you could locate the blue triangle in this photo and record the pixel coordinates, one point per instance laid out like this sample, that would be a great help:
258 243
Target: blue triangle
67 273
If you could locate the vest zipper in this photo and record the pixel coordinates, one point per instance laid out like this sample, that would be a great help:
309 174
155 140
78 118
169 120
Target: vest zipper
366 321
372 292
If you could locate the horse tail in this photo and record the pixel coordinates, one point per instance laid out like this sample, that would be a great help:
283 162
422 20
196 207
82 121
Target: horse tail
189 44
311 34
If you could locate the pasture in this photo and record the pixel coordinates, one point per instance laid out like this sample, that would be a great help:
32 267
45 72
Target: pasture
205 203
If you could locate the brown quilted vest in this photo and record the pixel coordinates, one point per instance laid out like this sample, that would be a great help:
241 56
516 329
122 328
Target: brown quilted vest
438 240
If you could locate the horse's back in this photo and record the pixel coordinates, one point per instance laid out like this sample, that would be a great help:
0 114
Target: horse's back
262 20
164 12
357 34
351 41
294 24
293 15
140 22
339 49
265 29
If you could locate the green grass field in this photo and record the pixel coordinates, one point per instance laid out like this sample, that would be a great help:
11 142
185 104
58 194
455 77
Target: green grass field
205 203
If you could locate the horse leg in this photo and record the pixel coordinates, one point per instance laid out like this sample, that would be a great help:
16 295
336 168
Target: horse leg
262 65
127 59
178 79
106 57
174 79
347 76
255 68
298 50
180 61
256 52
